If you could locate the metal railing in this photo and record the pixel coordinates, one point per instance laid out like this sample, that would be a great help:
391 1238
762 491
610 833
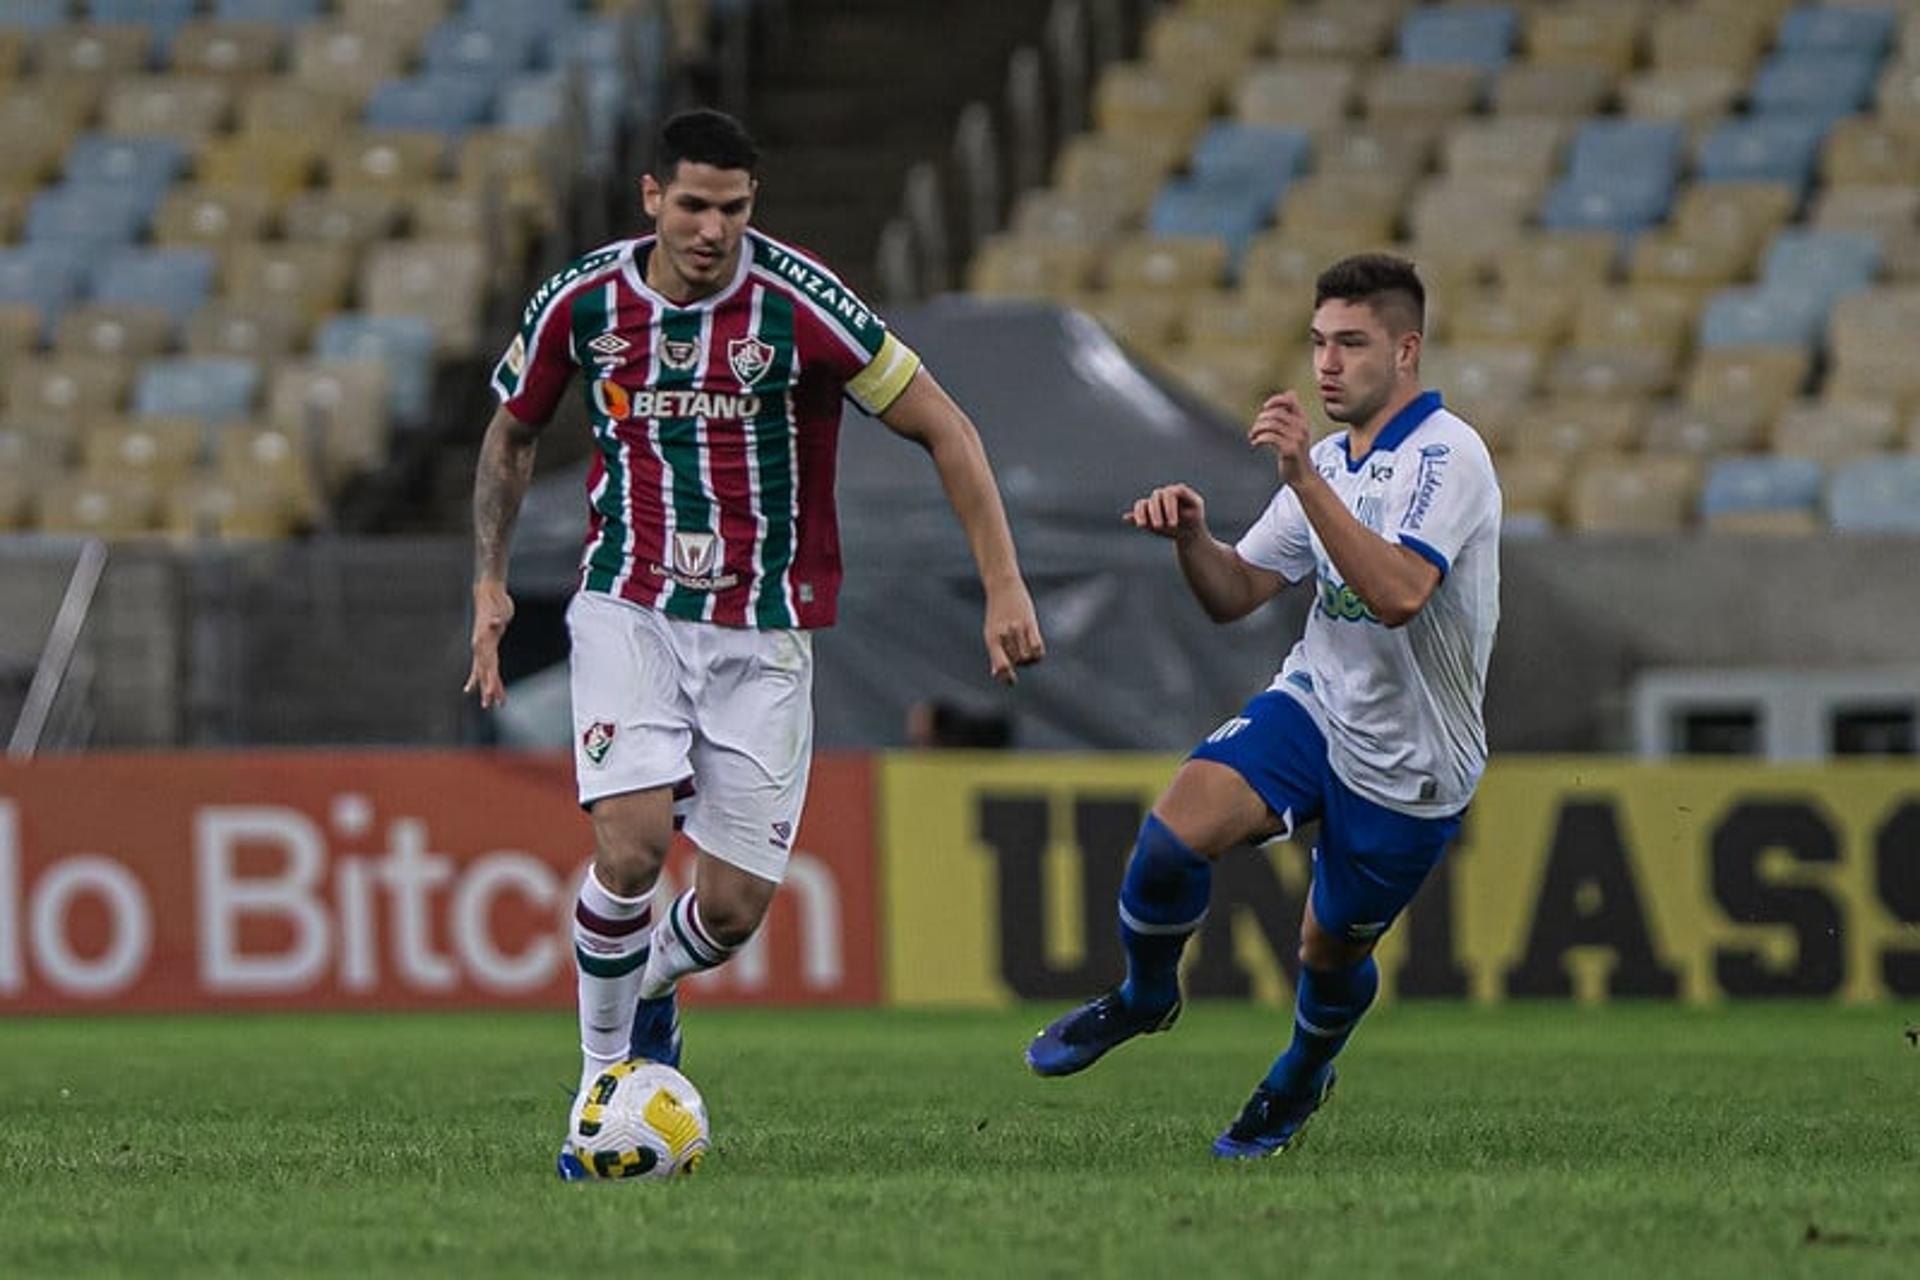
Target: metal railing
57 662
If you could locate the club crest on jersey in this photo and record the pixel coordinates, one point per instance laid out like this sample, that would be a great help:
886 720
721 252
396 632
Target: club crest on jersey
750 358
682 355
597 741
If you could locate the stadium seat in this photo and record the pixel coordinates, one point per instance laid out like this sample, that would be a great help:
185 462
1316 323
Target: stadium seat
1526 146
438 103
68 389
1637 495
1665 259
1135 100
1883 212
99 329
283 13
271 463
93 217
1236 151
1286 261
203 505
388 159
1482 378
236 50
1783 149
1369 204
441 281
1694 95
174 279
1875 495
1832 432
1567 261
1820 264
1540 320
1632 371
1468 35
83 49
1094 164
283 109
161 17
1563 92
1233 378
1763 317
340 403
1209 45
1694 38
1584 35
20 331
352 219
1295 93
144 163
404 344
1276 320
213 217
1398 92
1686 430
307 280
1747 384
1870 151
1355 32
33 15
260 334
209 388
1148 324
1533 489
1762 495
1627 148
1574 426
43 276
334 57
1645 316
1622 202
1473 212
1821 85
1866 30
407 20
1231 210
176 108
95 506
157 450
1153 264
1404 150
1061 215
1747 213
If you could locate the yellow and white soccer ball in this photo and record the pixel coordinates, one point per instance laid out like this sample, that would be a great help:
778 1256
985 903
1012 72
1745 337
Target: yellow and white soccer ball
639 1119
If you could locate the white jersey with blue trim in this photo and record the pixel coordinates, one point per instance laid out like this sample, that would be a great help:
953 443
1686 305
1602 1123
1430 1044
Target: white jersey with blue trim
1401 706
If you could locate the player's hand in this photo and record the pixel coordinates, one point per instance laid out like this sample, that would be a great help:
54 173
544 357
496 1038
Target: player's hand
1283 427
1172 511
1012 632
492 611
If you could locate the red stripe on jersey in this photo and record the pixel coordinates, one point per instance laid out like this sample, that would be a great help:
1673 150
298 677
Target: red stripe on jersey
729 468
646 469
816 562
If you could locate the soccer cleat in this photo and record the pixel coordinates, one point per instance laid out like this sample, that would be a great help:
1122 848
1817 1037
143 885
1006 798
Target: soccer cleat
1075 1041
656 1030
1270 1123
568 1166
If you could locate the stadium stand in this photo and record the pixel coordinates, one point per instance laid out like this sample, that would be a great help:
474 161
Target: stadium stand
1676 243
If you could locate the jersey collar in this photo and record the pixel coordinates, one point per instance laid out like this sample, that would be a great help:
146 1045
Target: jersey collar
636 276
1398 428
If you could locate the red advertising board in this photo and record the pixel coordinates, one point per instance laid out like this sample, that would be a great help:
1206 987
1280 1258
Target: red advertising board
350 879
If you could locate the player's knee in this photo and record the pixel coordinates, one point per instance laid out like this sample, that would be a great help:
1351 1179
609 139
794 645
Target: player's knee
730 919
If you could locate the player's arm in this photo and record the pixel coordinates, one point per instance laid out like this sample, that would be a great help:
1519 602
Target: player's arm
925 414
1393 581
1227 587
500 484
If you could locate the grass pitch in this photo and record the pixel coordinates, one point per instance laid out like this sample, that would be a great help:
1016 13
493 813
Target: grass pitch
1524 1141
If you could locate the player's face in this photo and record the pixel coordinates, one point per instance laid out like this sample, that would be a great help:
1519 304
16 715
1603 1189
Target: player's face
700 215
1356 360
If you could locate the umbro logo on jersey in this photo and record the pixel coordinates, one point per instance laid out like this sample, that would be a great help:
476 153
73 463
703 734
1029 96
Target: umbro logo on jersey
679 355
608 346
750 358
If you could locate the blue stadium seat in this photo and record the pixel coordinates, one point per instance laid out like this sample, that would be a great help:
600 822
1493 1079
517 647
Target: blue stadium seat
1769 149
463 47
1836 29
1876 495
1230 209
534 101
93 214
209 388
1624 202
280 13
1824 264
1762 317
403 343
175 280
1744 485
1229 151
162 17
1475 36
1604 148
442 103
111 158
47 276
33 15
1827 85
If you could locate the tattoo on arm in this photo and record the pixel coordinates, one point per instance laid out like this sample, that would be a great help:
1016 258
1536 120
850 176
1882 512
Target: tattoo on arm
500 482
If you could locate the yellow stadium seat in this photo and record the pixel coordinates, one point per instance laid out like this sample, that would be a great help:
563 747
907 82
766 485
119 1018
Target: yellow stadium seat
1062 215
1898 94
1367 204
262 334
34 147
205 506
1233 378
1482 213
214 217
187 108
405 21
1168 264
384 159
1210 47
340 59
1867 151
275 164
49 110
1747 384
1577 426
281 108
1885 210
1638 371
234 50
1016 266
1298 92
351 218
1646 316
1662 259
1134 99
111 329
1698 95
1745 212
1571 261
1534 484
309 280
1275 319
13 52
34 447
95 506
515 166
1538 320
69 389
1699 432
443 280
1146 323
1697 37
1900 256
1283 261
270 462
1403 150
340 403
1399 91
1835 431
157 450
1448 268
1119 169
20 327
1641 495
1567 93
85 49
1479 378
1356 30
1523 146
1603 35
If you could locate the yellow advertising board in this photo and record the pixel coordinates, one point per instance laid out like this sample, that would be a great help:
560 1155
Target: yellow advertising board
1577 878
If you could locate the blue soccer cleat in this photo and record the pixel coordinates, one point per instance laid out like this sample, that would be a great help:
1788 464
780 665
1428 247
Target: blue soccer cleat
656 1030
1075 1041
568 1166
1270 1122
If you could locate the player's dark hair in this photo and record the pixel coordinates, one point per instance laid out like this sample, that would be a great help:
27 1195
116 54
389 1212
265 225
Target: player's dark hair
1387 284
703 136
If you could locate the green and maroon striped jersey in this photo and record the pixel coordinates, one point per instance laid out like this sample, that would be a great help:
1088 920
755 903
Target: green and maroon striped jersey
715 426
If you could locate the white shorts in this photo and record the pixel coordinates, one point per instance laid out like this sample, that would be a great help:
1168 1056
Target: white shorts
657 699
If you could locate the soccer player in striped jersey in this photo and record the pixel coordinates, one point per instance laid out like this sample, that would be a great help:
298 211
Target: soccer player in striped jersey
1373 725
713 360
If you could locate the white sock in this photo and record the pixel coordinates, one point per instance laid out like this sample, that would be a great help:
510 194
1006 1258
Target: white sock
610 951
681 945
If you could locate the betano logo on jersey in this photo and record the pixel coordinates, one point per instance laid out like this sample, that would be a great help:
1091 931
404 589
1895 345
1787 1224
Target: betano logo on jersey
1338 601
623 405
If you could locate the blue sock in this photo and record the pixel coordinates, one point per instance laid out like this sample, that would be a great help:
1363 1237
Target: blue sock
1329 1004
1162 901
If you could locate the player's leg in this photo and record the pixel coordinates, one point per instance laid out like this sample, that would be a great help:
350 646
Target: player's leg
613 919
1244 783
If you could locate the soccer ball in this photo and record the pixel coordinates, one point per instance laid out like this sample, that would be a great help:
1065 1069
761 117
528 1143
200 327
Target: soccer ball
639 1119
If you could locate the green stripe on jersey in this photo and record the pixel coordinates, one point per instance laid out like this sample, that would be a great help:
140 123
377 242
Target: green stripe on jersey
680 446
773 449
608 555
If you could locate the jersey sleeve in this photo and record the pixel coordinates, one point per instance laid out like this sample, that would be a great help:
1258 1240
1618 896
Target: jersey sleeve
533 373
837 331
1450 493
1280 541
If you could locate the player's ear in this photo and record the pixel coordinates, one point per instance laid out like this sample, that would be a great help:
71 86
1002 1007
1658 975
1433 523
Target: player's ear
1410 344
650 195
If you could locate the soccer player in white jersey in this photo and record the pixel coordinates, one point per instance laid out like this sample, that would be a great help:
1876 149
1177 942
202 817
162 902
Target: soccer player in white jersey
713 360
1373 724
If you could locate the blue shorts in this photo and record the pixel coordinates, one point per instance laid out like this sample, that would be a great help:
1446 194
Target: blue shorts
1369 860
